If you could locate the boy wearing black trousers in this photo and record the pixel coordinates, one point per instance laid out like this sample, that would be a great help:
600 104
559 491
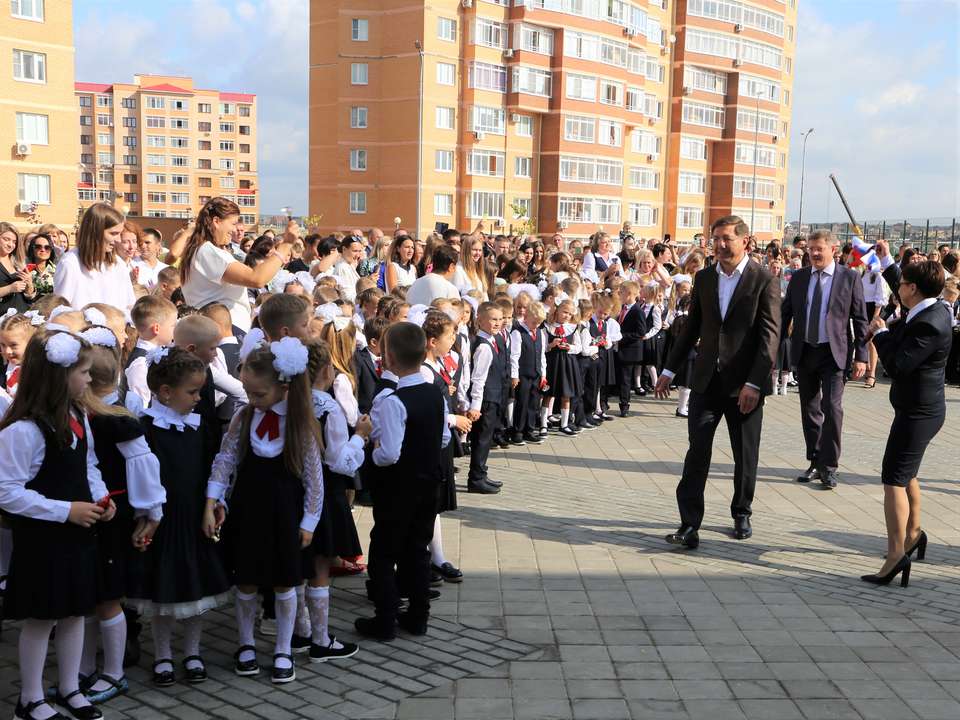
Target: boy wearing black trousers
528 373
501 435
366 363
489 363
630 349
410 431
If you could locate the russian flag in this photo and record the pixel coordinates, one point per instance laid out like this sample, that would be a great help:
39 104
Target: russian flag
864 254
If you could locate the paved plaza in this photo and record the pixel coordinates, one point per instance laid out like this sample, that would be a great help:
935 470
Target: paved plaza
574 607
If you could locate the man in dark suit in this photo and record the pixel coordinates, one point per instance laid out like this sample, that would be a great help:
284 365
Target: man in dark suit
629 354
823 300
735 315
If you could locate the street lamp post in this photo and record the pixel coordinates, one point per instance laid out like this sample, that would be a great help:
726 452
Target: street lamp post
803 167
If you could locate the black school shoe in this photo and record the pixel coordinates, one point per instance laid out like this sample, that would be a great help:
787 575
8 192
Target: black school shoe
448 572
245 668
25 712
375 629
436 579
283 675
320 654
517 439
194 676
165 678
87 712
533 438
411 625
300 644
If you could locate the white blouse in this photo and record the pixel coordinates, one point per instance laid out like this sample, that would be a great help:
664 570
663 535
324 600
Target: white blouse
405 278
223 473
428 376
109 285
342 453
22 449
568 328
166 419
344 394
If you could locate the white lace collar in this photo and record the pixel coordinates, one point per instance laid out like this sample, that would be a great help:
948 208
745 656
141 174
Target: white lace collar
167 419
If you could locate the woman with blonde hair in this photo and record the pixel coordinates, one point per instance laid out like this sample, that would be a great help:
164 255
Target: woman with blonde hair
16 283
92 272
474 267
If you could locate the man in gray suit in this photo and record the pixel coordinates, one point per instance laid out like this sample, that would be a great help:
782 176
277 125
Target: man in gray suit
824 301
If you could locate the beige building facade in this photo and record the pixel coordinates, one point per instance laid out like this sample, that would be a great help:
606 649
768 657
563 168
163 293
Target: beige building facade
38 115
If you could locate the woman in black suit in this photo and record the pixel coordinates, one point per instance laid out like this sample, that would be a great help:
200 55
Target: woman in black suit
914 353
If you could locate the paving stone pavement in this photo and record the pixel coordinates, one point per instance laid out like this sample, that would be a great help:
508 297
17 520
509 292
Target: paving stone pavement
574 608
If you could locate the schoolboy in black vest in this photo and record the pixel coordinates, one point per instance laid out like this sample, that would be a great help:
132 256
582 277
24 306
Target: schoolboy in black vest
502 434
528 369
630 348
365 363
489 365
410 431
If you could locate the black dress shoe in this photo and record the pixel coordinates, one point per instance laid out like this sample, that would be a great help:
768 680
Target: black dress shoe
165 678
246 668
741 528
567 430
901 567
681 414
300 644
131 653
811 473
282 675
503 443
829 479
436 579
517 439
491 481
607 416
25 712
411 625
86 712
624 410
920 547
685 536
482 487
448 572
194 675
375 629
533 438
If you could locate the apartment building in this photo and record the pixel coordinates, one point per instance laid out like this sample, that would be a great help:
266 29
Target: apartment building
37 113
561 112
159 147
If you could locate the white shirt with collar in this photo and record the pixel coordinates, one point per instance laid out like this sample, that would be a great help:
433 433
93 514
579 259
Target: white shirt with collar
342 453
825 278
137 372
389 418
482 360
920 307
223 473
166 418
727 284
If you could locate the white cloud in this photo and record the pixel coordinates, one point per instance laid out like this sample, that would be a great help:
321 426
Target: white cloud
899 95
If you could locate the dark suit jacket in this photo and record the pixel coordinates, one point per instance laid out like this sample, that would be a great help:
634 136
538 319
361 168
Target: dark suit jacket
914 354
366 373
741 347
845 305
231 355
633 328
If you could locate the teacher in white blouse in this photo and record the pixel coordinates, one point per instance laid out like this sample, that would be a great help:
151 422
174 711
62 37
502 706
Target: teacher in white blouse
210 273
601 257
92 272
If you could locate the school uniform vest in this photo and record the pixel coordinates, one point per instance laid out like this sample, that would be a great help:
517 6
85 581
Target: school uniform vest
137 352
493 388
366 374
420 452
531 348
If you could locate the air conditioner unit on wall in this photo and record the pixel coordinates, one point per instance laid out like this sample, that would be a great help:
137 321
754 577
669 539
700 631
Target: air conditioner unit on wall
737 62
737 27
28 207
508 53
466 3
687 90
629 32
514 117
562 225
478 135
24 149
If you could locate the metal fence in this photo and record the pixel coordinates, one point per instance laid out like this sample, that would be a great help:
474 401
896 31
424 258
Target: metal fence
923 233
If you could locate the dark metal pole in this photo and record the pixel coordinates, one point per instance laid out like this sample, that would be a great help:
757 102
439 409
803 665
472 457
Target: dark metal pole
846 206
903 233
883 230
953 231
926 235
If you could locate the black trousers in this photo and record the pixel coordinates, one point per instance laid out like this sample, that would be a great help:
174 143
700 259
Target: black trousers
591 377
403 517
526 405
706 411
821 404
503 424
481 437
625 372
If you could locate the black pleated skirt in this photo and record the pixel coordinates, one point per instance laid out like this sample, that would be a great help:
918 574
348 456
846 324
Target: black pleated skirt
336 534
563 374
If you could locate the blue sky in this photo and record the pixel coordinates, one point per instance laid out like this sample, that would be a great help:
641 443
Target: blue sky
878 80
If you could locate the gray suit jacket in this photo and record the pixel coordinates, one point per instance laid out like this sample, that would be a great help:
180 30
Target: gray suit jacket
845 308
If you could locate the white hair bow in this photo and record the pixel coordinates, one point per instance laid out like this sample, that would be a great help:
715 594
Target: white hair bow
9 313
94 316
417 314
289 358
100 336
59 310
157 354
560 298
36 319
63 349
253 339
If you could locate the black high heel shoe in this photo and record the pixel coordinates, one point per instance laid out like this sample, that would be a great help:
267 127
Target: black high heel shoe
903 566
920 546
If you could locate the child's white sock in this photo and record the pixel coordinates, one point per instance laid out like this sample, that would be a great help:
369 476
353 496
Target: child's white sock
34 640
510 412
69 650
245 608
302 626
191 641
113 633
544 413
88 659
564 417
318 600
436 545
286 605
652 372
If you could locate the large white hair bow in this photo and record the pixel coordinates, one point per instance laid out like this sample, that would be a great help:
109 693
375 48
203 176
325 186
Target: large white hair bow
251 341
63 349
289 358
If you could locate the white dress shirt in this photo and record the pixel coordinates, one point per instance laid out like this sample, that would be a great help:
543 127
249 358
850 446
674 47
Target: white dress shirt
136 373
874 288
22 449
727 284
482 360
342 453
347 277
146 275
223 473
656 319
825 278
228 394
389 418
165 418
516 348
344 394
428 377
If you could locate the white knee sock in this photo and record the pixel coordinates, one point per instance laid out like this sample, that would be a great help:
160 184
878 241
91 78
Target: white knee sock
436 545
88 660
544 413
286 605
564 417
683 400
192 628
652 372
510 411
302 626
637 375
114 637
784 379
162 627
318 600
34 640
69 650
246 611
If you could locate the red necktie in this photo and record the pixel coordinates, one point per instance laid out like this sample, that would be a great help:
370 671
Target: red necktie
269 426
379 368
449 364
77 427
493 341
623 313
14 378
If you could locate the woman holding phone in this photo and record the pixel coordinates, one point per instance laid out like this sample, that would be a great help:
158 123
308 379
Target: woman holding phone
601 257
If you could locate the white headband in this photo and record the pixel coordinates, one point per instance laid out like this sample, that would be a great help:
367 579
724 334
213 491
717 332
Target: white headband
100 336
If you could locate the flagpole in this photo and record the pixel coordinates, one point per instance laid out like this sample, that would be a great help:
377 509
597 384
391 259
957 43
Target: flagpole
856 225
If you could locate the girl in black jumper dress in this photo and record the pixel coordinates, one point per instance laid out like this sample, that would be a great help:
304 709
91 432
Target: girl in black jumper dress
563 372
131 473
183 574
52 489
269 470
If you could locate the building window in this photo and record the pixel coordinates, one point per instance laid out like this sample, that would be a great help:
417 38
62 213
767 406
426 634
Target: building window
129 103
204 108
228 182
525 126
27 9
105 177
646 142
32 128
179 124
446 73
155 103
243 110
129 122
443 205
204 145
85 101
489 33
227 146
765 155
205 181
179 142
244 129
358 203
583 209
130 141
104 139
358 73
693 148
226 108
204 164
447 29
581 87
179 104
486 205
86 177
86 139
701 114
156 179
533 38
156 141
522 167
532 81
156 197
227 127
358 117
611 93
521 208
86 120
130 179
642 215
226 164
33 188
179 161
129 159
104 101
445 117
485 76
489 120
743 187
706 80
610 133
86 158
359 29
85 194
644 178
156 122
104 120
244 166
156 160
690 217
105 158
30 67
358 160
579 129
204 127
180 198
692 183
443 161
486 162
244 148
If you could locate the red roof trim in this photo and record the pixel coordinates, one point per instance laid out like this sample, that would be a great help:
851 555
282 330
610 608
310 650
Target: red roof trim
167 87
92 87
237 97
